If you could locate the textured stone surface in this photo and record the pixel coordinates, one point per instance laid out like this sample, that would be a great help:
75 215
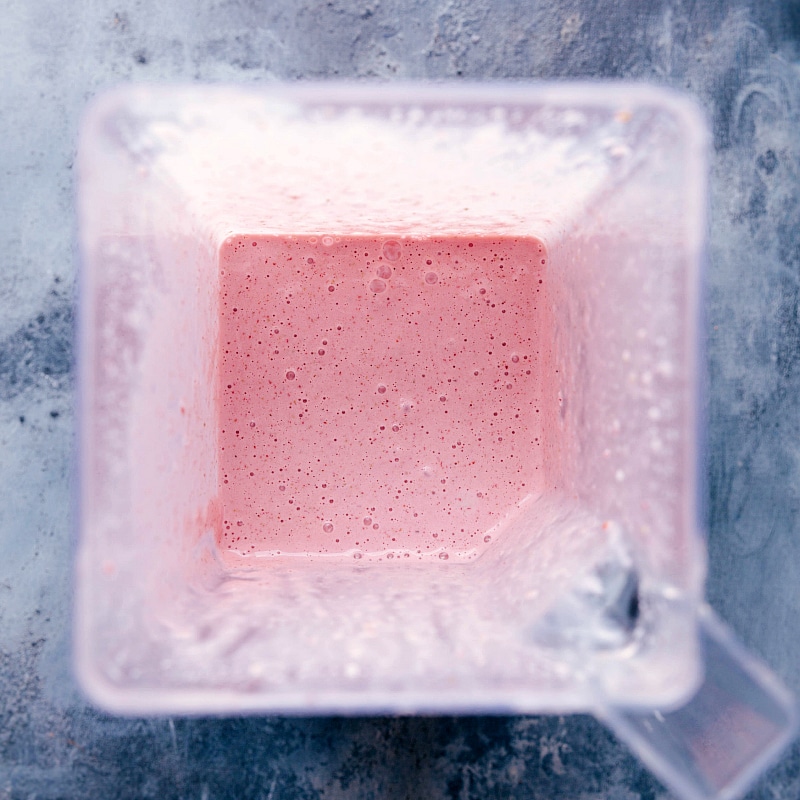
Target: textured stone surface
738 59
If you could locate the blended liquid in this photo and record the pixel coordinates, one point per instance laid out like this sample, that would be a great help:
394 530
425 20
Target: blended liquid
378 396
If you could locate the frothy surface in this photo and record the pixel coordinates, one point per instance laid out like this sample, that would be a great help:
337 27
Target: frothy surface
378 396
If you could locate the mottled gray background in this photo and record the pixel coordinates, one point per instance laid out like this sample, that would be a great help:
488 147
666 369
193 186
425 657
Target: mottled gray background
740 60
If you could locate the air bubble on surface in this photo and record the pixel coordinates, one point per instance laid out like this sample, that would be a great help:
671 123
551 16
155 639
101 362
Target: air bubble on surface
377 285
391 250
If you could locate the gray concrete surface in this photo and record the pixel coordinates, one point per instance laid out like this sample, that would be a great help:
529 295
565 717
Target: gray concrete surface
739 59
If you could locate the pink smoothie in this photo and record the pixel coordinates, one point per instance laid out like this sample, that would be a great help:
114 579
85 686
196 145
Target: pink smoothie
378 397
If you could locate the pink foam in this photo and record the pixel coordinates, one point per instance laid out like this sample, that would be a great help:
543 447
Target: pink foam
378 396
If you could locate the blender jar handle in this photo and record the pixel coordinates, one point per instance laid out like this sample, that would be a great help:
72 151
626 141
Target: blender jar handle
726 735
